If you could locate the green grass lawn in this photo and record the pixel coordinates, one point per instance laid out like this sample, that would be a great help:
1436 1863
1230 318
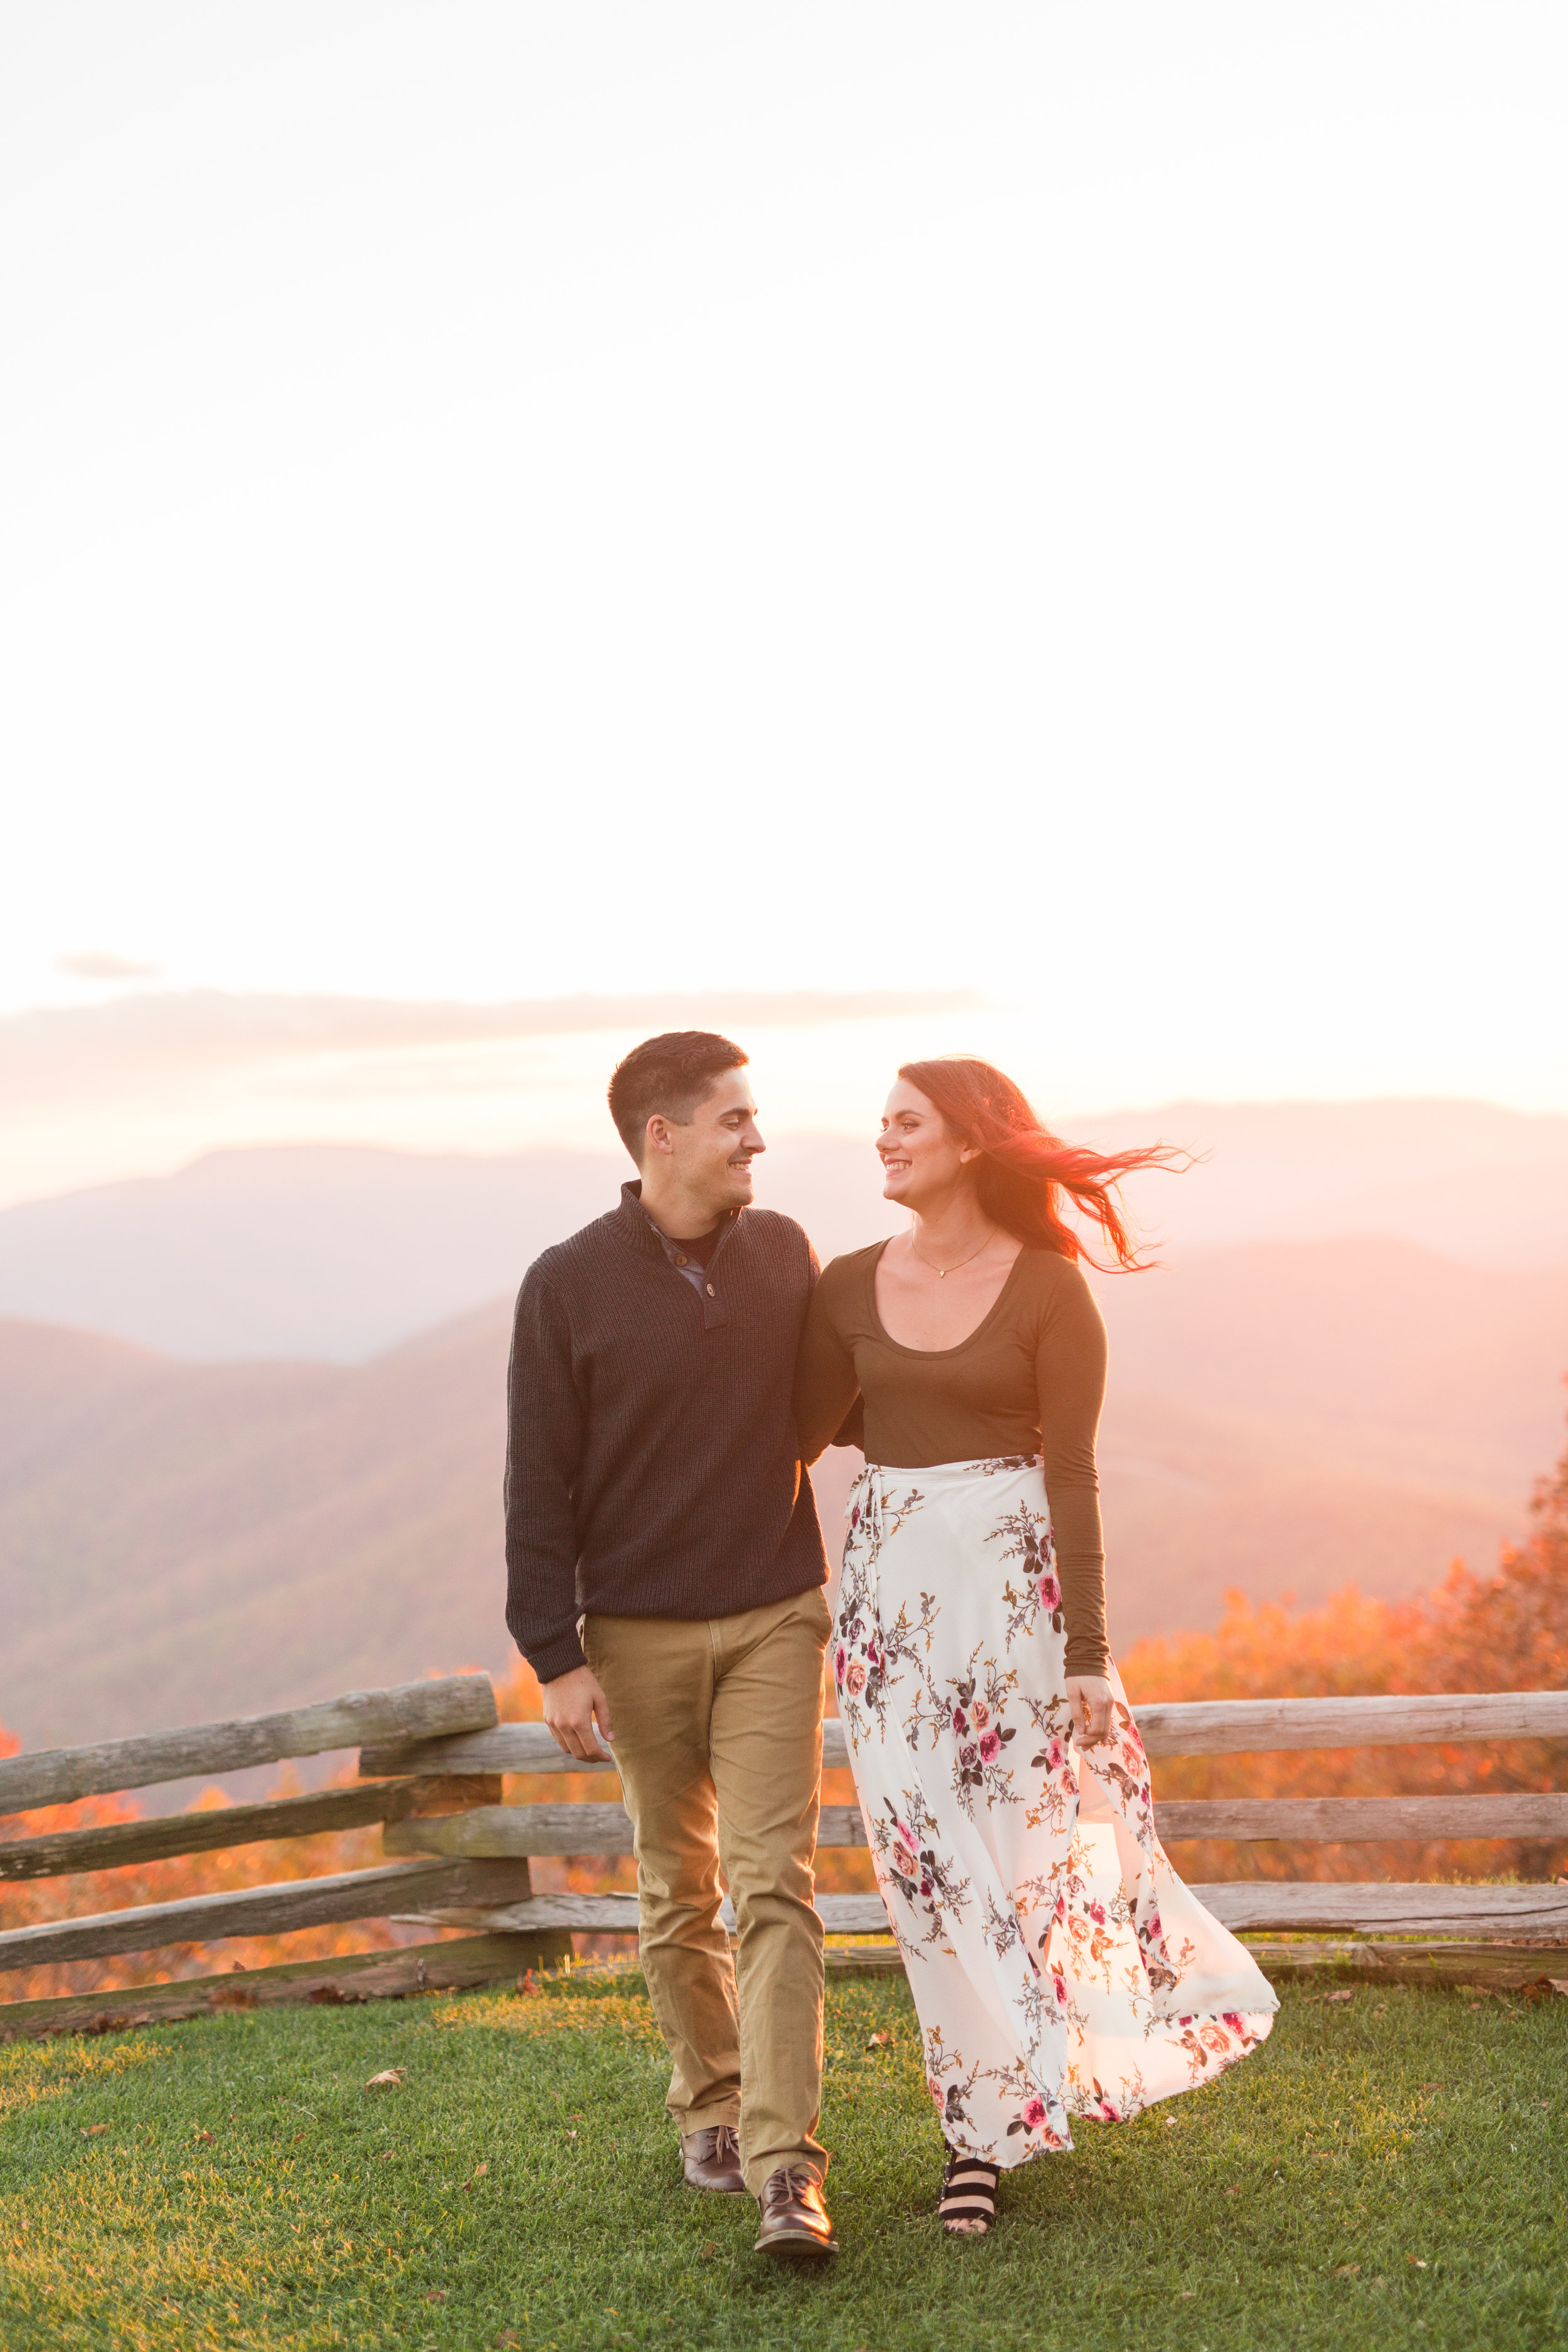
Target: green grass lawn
232 2182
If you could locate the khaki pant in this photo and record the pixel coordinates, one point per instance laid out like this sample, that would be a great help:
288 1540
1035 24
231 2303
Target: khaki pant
718 1741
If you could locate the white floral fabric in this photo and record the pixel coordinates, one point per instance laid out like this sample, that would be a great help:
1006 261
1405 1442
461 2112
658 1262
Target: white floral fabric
1059 1964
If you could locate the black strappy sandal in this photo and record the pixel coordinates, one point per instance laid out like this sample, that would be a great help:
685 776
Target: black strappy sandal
968 2207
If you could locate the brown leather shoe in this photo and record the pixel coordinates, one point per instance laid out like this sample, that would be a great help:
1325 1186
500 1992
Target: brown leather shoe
711 2159
794 2219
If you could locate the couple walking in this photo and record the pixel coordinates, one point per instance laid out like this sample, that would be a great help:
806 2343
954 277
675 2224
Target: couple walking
675 1366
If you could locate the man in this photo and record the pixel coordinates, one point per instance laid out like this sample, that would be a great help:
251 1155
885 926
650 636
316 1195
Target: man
664 1575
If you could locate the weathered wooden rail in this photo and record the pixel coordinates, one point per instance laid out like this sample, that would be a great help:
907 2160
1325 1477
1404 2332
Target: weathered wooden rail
1533 1915
432 1755
440 1708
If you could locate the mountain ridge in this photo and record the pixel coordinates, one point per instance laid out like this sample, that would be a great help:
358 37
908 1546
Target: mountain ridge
182 1540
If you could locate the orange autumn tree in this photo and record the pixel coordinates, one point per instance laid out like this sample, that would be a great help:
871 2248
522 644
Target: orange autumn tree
1508 1631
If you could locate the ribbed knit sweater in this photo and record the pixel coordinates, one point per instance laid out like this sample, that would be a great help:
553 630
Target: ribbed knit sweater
653 1468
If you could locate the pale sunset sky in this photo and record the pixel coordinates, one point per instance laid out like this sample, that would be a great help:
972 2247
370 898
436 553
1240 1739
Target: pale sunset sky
1037 528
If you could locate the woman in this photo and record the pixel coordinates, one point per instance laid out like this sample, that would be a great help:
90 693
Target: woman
1059 1964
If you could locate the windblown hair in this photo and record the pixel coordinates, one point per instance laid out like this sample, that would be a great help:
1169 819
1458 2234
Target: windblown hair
1026 1171
670 1075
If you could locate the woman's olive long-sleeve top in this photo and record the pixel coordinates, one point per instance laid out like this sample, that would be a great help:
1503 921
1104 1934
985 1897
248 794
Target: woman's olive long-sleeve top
1029 1379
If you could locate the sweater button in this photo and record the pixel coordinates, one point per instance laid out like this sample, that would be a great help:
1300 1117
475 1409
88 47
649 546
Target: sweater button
682 1261
710 1290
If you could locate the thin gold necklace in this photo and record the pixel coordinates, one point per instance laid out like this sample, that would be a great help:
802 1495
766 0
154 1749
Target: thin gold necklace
941 1272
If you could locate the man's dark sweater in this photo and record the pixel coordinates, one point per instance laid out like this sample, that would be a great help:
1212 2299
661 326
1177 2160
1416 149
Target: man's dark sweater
653 1468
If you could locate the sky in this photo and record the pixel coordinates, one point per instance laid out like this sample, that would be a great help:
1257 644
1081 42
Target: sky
1029 528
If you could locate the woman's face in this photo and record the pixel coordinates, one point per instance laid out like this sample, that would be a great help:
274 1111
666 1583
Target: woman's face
922 1159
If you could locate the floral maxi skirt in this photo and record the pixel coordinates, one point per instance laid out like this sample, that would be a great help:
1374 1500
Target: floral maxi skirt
1059 1964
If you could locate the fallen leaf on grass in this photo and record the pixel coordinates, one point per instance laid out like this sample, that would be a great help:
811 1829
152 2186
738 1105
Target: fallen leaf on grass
1431 2086
1348 1994
881 2042
509 2336
436 2295
93 2130
1233 2193
1186 2293
207 2137
1415 2262
1347 2269
390 2080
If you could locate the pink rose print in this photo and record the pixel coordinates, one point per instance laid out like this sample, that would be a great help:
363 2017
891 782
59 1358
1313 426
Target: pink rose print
966 1755
1060 1984
1050 1592
1097 1913
960 1721
925 1886
989 1747
1034 2115
838 1666
982 1716
1107 2110
1056 1756
903 1861
1230 2018
907 1835
934 2087
857 1679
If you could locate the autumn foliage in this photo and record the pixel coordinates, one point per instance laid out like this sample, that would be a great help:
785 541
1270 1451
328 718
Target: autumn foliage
1508 1631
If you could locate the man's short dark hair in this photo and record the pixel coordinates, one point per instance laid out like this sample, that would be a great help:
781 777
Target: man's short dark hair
671 1074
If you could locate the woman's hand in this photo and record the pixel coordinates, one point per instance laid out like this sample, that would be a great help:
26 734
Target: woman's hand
1089 1701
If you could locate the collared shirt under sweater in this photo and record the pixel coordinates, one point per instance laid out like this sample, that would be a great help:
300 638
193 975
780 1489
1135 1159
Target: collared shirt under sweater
653 1467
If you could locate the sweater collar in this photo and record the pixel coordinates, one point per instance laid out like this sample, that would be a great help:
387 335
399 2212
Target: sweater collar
638 1226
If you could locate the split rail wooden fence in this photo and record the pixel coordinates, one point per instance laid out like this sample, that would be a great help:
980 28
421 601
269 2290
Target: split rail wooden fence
432 1757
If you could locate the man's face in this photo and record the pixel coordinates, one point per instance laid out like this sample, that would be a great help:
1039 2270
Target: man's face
712 1155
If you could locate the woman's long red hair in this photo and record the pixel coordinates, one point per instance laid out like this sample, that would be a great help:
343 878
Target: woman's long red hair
1025 1169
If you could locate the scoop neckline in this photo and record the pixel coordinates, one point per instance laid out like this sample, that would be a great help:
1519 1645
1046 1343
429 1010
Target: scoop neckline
935 1354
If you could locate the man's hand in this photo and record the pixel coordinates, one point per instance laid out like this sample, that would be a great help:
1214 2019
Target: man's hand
571 1703
1089 1701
